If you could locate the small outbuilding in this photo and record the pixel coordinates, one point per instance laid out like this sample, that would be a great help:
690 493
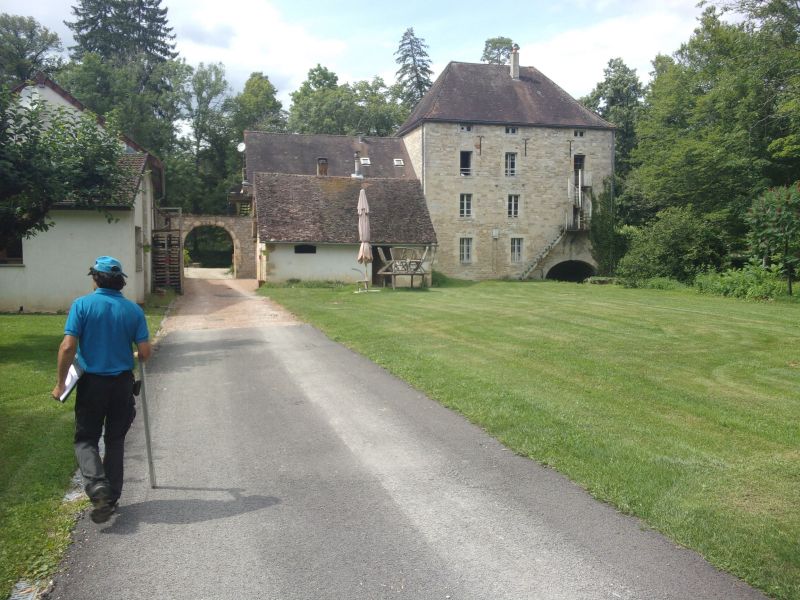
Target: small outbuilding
308 225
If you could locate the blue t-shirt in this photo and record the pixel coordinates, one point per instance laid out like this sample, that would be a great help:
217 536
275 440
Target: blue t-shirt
106 325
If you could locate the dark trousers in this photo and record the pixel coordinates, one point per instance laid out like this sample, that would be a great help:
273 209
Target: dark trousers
103 400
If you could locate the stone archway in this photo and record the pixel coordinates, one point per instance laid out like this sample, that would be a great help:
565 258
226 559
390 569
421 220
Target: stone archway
241 230
571 270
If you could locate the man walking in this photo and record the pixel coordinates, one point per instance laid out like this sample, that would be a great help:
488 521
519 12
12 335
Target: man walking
102 328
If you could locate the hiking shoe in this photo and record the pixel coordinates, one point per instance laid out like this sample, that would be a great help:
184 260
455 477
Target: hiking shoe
100 496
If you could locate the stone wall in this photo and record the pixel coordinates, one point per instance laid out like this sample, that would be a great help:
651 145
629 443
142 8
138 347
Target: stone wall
543 167
242 232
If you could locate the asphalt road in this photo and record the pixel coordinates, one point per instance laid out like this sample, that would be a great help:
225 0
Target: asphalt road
291 468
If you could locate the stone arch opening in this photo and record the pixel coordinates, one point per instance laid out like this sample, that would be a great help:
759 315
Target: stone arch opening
240 230
210 246
571 270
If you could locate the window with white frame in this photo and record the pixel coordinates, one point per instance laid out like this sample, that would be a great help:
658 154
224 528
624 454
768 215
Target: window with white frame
513 206
465 250
579 133
511 164
516 250
465 205
511 130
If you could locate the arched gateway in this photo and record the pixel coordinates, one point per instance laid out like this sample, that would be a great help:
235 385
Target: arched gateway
242 232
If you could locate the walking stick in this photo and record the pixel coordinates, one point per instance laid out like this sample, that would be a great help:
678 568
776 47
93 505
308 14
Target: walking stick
147 427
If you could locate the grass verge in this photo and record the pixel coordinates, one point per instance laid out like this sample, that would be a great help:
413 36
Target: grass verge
36 446
681 409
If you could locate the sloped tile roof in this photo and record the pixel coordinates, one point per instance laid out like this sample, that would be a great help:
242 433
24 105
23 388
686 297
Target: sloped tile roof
311 209
134 165
481 93
298 154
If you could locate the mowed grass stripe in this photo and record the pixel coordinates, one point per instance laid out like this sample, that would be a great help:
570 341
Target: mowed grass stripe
679 408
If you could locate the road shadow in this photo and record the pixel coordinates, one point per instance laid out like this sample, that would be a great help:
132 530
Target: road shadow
185 512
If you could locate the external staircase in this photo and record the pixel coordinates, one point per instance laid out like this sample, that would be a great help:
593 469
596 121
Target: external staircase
543 253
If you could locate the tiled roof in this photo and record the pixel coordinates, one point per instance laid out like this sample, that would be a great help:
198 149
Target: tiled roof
298 154
134 165
311 209
481 93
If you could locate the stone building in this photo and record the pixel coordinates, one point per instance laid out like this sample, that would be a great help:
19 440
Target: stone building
507 161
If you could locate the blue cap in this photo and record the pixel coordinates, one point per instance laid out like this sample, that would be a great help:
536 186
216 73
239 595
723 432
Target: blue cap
108 264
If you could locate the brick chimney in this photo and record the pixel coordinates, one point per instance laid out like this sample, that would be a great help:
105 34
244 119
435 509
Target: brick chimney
515 61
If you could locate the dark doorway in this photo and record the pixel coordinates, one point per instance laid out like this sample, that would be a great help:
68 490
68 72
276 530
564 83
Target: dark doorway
571 270
210 247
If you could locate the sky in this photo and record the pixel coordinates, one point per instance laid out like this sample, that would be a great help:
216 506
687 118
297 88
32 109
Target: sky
570 41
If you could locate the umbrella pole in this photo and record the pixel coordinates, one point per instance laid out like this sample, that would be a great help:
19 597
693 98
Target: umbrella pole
150 466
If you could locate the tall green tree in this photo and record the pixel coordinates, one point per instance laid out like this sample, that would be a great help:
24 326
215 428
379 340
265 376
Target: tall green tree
147 101
497 50
704 137
774 221
321 105
414 74
49 156
257 107
118 29
25 48
619 99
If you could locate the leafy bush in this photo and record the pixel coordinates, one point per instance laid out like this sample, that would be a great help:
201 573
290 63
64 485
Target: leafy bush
753 282
661 283
677 244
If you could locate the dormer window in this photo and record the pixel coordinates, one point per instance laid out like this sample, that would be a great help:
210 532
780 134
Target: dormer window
398 162
465 128
322 166
365 160
511 130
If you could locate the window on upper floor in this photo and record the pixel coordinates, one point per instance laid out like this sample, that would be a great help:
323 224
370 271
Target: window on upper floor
365 160
465 127
578 133
466 163
398 162
511 164
465 250
516 250
465 205
322 166
511 130
513 206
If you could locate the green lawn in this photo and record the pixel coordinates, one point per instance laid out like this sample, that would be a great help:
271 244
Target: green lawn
679 408
36 446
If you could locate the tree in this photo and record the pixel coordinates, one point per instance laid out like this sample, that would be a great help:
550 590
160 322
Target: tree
147 101
608 244
321 105
257 107
618 99
118 29
49 156
677 244
704 135
25 48
414 74
774 220
497 50
378 112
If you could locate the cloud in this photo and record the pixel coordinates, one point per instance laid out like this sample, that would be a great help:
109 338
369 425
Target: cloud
259 39
575 58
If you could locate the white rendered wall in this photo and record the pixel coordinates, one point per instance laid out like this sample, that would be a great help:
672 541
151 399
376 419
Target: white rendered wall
56 262
331 262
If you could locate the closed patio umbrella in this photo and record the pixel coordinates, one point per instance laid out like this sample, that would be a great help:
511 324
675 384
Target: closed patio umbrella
365 251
